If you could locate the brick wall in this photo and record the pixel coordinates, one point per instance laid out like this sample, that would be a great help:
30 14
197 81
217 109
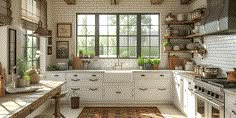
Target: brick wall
60 12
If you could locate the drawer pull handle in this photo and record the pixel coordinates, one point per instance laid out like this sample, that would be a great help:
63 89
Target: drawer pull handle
94 75
190 89
75 75
75 89
143 89
162 75
234 112
93 89
162 89
143 75
93 80
118 92
75 80
189 83
56 75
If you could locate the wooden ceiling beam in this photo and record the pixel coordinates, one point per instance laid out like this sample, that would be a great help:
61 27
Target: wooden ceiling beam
70 2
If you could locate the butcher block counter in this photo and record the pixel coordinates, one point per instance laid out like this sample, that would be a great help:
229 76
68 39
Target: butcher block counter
21 105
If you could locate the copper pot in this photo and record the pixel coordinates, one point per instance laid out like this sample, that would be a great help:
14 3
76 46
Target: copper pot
231 76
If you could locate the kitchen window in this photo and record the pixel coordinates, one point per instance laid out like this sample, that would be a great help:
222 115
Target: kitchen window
124 35
32 46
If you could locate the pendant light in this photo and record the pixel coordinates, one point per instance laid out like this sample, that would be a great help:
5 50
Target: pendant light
40 31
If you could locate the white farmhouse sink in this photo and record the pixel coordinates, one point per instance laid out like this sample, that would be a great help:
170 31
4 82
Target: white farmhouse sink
114 76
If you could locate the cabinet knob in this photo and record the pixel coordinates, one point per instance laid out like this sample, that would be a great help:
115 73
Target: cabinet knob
94 75
93 80
56 75
162 89
93 89
75 89
162 75
118 92
75 79
143 89
143 75
75 75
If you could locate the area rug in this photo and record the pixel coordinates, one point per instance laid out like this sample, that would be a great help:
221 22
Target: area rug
120 112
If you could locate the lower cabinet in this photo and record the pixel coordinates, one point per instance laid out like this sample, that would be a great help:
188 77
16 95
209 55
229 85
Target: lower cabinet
118 93
230 105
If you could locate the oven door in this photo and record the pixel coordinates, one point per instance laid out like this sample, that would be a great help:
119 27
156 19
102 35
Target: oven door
208 108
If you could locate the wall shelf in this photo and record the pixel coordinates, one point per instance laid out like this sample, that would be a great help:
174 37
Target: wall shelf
181 51
183 22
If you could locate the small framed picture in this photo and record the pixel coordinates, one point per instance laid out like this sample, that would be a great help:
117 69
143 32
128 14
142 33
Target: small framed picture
64 30
49 40
49 50
62 50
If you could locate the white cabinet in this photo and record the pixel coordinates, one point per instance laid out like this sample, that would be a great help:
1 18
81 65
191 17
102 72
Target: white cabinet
57 76
118 93
230 105
184 97
86 85
152 87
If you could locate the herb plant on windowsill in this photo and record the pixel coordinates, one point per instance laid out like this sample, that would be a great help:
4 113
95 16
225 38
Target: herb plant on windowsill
155 63
23 80
167 46
141 62
147 64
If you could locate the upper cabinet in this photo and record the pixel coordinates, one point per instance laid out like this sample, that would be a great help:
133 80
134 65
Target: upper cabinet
5 12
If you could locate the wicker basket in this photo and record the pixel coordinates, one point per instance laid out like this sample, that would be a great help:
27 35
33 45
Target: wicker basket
34 78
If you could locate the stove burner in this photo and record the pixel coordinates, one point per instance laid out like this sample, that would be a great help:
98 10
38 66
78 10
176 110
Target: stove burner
221 82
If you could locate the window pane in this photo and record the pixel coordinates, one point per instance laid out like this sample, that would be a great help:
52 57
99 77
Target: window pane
112 51
103 51
145 20
81 41
111 19
81 30
29 53
154 19
112 30
29 41
124 30
154 30
123 20
103 41
90 41
133 20
103 30
133 52
90 30
132 41
35 42
154 41
132 30
145 51
90 48
90 19
29 64
124 52
81 20
145 30
145 41
112 41
123 41
154 51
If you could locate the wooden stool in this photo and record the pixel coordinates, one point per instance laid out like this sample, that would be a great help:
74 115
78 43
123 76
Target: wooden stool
57 98
44 116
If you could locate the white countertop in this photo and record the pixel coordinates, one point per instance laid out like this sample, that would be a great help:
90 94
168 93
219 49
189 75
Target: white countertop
230 91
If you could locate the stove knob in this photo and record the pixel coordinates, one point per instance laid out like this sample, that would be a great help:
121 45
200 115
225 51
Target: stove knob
208 92
203 90
212 94
199 88
217 96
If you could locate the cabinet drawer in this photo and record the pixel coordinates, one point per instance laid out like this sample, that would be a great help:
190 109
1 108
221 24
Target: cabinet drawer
152 94
150 75
152 82
121 93
78 79
55 76
87 93
118 77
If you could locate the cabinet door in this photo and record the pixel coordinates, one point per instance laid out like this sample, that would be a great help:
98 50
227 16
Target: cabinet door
178 91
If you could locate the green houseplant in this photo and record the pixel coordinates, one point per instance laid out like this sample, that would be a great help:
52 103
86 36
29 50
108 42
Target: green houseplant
140 62
155 63
23 79
147 64
167 46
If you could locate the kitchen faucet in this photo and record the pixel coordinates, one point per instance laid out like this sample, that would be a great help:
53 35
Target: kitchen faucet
118 64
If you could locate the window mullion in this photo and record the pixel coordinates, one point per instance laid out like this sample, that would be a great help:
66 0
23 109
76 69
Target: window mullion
118 34
138 35
97 34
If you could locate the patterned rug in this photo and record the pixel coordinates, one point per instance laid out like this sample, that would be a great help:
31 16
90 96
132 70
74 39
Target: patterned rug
120 112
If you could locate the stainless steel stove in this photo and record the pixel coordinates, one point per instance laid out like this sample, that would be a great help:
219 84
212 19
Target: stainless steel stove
210 96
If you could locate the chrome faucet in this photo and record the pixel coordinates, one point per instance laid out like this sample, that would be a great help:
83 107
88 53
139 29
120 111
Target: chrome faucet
118 64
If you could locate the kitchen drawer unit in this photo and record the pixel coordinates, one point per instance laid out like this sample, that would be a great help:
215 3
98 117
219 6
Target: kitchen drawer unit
115 93
84 79
118 77
87 93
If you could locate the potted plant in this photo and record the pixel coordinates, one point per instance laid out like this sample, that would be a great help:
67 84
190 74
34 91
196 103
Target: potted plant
167 46
155 63
147 64
23 79
140 62
70 64
81 55
91 54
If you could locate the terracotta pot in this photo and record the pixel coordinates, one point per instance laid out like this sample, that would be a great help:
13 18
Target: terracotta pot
167 48
155 67
231 76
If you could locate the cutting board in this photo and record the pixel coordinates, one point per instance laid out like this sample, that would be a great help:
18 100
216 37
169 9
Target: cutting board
173 61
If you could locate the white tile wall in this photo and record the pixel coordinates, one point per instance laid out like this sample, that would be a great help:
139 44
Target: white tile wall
221 50
60 12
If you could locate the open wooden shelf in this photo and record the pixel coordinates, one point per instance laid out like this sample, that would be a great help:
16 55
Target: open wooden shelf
184 37
183 22
181 51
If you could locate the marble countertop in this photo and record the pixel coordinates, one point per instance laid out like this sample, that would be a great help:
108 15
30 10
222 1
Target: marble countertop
21 104
230 91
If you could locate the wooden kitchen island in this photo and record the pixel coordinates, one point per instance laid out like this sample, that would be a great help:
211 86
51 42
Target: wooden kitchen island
22 104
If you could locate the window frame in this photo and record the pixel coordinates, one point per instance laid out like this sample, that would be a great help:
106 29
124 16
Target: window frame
139 35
